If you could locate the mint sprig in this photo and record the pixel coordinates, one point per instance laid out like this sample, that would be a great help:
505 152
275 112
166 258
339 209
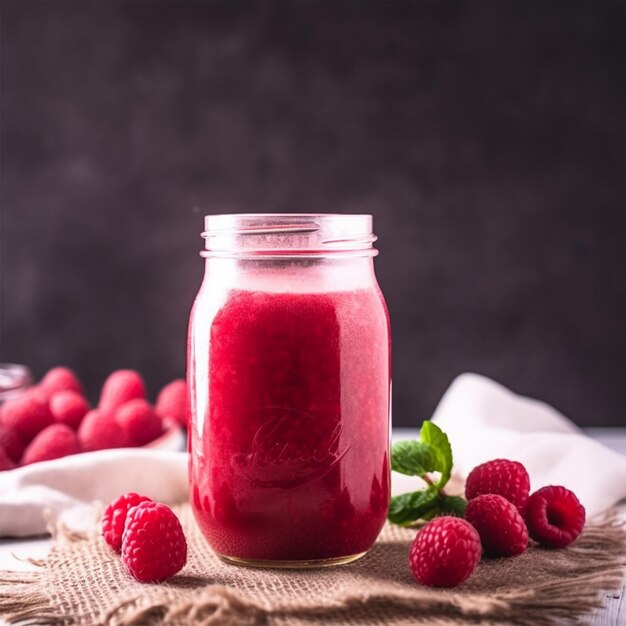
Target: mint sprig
432 453
405 509
438 441
413 458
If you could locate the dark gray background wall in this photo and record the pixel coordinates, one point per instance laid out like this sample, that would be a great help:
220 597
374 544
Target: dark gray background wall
487 138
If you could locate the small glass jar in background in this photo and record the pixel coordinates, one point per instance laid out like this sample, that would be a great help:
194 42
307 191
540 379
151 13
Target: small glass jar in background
14 381
289 376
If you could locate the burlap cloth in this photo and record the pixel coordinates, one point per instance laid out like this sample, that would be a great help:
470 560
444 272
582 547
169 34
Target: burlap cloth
82 583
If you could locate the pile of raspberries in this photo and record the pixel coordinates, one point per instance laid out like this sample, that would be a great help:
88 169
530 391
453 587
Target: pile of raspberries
54 419
500 516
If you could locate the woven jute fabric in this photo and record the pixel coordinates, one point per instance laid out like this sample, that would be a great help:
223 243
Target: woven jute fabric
82 582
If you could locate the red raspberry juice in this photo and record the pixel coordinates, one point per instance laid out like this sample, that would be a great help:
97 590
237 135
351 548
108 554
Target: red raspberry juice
290 444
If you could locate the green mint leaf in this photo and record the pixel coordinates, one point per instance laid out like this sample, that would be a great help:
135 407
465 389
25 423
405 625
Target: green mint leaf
409 507
413 458
432 513
453 505
438 440
446 505
419 458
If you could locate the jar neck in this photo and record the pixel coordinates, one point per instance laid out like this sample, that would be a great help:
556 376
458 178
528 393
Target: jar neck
294 275
275 236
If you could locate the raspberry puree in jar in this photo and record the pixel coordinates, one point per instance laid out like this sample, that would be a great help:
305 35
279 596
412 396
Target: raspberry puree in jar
289 371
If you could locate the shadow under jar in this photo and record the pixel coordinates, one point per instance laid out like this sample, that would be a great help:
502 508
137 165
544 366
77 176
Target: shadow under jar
289 376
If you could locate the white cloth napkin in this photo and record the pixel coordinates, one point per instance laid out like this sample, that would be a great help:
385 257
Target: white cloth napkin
482 418
67 488
484 421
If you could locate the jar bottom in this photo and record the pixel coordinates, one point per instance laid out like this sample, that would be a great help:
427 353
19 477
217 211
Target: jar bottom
279 564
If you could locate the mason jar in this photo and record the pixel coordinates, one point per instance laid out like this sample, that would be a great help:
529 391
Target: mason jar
289 377
14 381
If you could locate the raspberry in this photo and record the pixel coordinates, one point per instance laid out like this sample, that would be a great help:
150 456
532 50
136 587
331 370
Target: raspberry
508 479
153 545
60 379
119 388
501 527
445 552
114 518
139 422
27 414
6 463
69 407
99 431
53 442
172 402
11 442
554 516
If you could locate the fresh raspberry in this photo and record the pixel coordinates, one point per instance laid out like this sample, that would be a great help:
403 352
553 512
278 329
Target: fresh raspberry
508 479
172 402
69 407
119 388
6 463
11 442
60 379
445 552
139 422
27 414
554 516
153 545
501 527
114 518
100 431
53 442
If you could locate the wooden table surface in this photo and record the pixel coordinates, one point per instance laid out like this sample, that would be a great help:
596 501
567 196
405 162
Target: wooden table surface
613 612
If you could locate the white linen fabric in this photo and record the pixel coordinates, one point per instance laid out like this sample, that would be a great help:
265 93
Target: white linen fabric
482 418
67 488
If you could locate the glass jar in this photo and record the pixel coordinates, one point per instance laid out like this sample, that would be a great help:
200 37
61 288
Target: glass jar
289 377
14 381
